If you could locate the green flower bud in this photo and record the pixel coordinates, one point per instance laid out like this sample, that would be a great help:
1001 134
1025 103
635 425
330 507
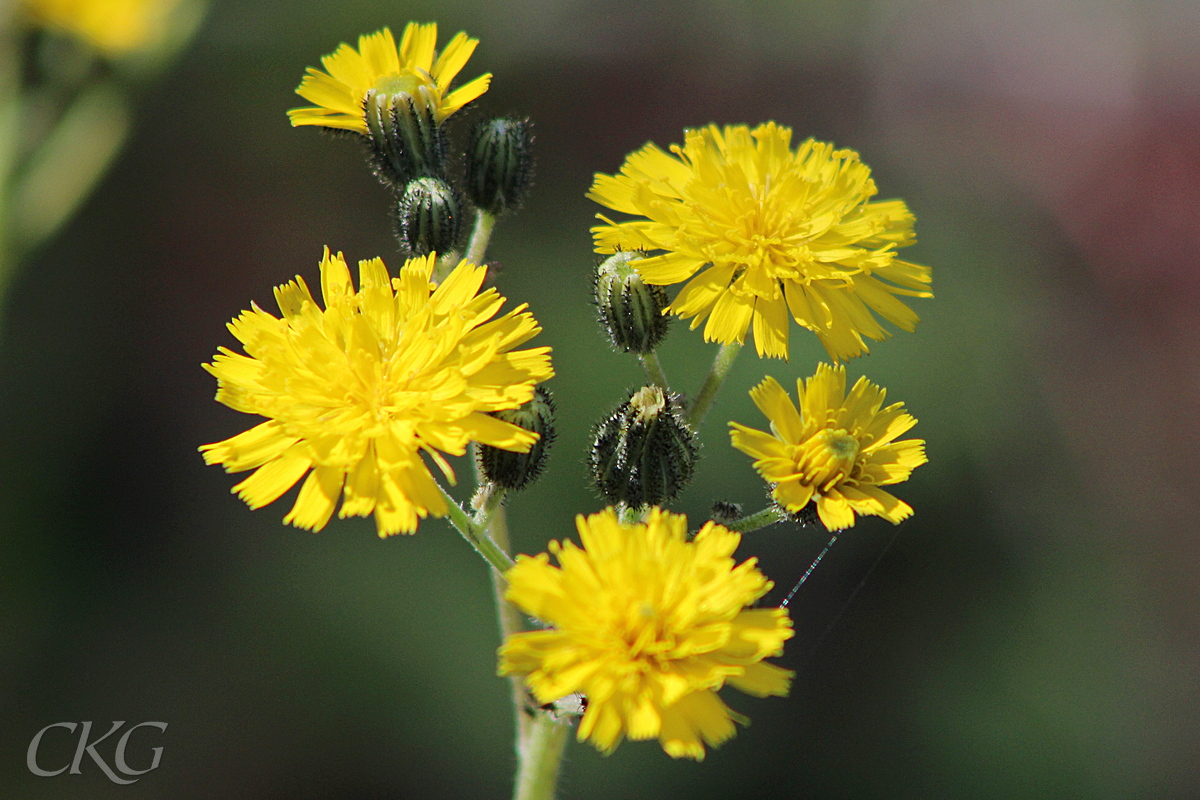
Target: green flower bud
428 217
517 470
643 453
499 164
725 512
406 140
630 310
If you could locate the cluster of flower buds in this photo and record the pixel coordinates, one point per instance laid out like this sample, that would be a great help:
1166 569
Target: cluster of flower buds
409 151
644 453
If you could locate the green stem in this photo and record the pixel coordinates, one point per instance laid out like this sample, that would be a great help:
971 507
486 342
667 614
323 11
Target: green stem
493 520
654 370
716 376
540 757
477 536
753 522
480 236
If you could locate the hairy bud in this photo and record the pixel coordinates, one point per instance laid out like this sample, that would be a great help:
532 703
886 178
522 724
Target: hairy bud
517 470
643 453
428 217
406 140
630 310
499 164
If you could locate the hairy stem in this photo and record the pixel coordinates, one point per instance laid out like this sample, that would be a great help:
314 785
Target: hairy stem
717 373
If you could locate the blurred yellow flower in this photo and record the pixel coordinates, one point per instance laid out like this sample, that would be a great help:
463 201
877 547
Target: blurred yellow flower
358 391
113 26
759 232
414 69
648 626
836 450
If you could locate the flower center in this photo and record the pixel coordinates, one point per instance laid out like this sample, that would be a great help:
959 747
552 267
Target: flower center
405 82
828 458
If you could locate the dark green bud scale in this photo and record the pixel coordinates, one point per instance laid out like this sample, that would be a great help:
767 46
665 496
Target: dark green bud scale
406 140
630 310
428 217
499 164
517 470
643 453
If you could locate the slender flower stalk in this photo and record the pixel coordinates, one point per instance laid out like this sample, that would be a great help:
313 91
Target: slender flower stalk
540 755
481 234
654 370
753 522
717 373
477 535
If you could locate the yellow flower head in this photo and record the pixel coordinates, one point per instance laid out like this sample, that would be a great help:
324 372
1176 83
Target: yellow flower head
836 449
759 231
357 391
414 69
113 26
648 626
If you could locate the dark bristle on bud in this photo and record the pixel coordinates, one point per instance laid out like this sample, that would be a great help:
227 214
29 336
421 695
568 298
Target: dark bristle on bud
515 471
428 217
630 310
807 516
405 138
499 164
724 512
643 453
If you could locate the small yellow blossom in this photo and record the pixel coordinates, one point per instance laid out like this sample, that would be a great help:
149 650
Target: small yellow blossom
834 449
355 393
112 26
648 626
760 232
414 68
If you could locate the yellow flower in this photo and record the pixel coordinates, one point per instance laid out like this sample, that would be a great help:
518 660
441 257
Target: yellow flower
760 232
836 449
414 69
113 26
357 391
648 626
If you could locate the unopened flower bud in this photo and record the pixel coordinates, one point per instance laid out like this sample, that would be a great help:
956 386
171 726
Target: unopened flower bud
724 512
406 140
630 310
517 470
499 164
643 453
428 217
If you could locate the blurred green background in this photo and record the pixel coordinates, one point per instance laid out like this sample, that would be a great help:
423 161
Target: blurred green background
1031 633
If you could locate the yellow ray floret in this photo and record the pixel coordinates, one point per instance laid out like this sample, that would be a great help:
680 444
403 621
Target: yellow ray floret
833 449
648 626
354 393
113 26
414 68
760 232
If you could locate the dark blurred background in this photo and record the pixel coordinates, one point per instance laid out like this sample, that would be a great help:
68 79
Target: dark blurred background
1032 632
